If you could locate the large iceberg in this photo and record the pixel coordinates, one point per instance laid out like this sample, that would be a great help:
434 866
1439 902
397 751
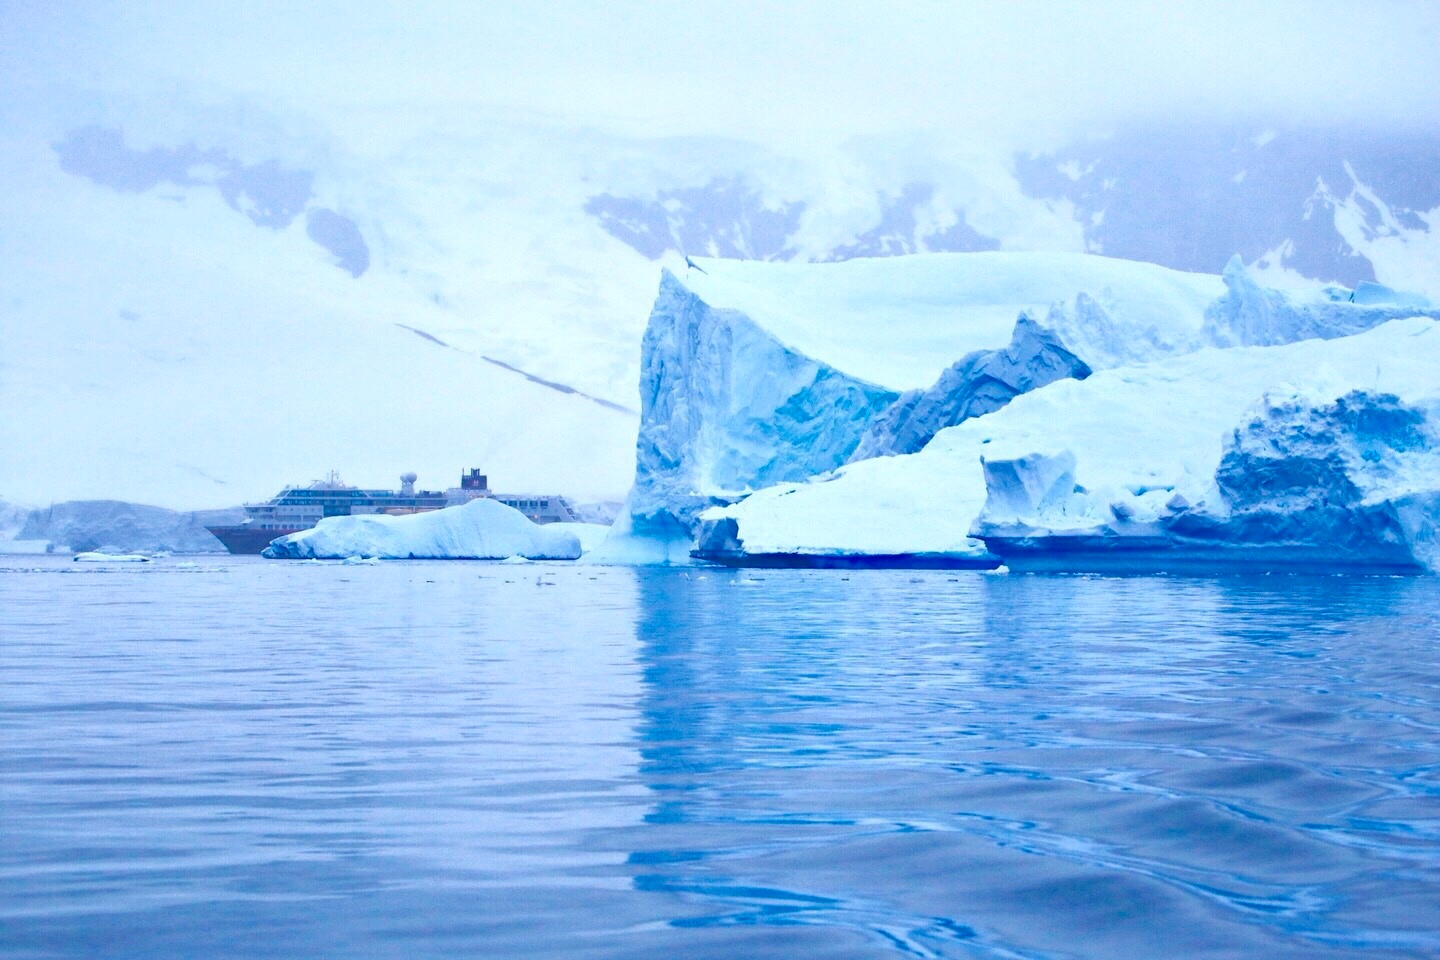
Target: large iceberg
482 529
734 397
1338 461
762 375
114 526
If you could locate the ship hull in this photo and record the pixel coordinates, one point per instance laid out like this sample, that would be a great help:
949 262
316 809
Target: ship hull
246 539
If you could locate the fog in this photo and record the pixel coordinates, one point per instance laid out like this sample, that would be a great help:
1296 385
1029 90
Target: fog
796 72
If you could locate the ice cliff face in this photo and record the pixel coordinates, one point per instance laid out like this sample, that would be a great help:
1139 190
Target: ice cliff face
980 383
1358 475
114 526
1251 315
725 408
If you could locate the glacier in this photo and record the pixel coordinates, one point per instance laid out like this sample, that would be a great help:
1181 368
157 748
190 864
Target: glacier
482 529
1152 461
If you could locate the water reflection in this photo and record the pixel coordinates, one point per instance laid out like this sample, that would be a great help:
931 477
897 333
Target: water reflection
981 765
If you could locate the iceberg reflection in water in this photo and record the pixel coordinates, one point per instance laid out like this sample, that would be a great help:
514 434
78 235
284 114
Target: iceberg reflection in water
244 759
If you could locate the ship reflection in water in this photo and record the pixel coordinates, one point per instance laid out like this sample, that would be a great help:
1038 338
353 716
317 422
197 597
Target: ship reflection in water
300 508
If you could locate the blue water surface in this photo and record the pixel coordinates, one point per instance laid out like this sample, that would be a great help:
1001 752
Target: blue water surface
229 757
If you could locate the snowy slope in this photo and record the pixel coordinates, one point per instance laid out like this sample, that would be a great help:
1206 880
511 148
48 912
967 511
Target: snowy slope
1064 456
172 352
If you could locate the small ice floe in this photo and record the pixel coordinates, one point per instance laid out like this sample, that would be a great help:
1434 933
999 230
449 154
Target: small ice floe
361 561
187 565
515 559
96 557
997 572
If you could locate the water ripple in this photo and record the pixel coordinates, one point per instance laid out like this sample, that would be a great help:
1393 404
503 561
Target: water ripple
417 760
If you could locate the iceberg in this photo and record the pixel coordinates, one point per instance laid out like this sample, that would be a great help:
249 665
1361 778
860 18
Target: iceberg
735 398
482 529
115 526
12 519
1251 315
95 556
1166 460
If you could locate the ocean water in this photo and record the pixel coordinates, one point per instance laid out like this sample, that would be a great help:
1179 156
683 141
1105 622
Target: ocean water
240 758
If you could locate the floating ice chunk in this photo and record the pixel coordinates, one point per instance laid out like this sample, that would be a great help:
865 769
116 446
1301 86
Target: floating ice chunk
91 556
483 529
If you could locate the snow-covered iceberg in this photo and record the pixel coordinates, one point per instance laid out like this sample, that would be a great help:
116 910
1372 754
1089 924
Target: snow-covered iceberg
1251 315
735 396
1153 452
1246 314
483 529
115 526
95 556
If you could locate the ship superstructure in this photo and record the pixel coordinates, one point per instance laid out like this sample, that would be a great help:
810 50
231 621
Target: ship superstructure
302 507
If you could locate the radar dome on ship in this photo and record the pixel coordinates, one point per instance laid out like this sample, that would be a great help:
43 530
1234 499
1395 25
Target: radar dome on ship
409 476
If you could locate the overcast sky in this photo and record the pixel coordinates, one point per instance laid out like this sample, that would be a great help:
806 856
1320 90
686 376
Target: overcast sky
777 70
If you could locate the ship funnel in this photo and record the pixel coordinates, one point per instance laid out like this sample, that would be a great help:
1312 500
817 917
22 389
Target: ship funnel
407 483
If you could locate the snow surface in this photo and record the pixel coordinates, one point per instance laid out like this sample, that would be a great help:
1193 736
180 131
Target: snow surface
1074 455
482 529
900 321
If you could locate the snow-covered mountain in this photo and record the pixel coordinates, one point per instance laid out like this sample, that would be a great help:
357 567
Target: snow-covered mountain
208 296
1341 204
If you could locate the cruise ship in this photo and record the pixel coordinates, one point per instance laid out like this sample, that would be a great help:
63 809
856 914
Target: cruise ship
300 508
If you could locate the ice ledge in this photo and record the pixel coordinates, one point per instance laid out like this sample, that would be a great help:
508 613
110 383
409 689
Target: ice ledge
1342 485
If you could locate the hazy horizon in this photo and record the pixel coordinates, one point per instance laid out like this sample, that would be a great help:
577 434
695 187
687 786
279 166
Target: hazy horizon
1025 74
